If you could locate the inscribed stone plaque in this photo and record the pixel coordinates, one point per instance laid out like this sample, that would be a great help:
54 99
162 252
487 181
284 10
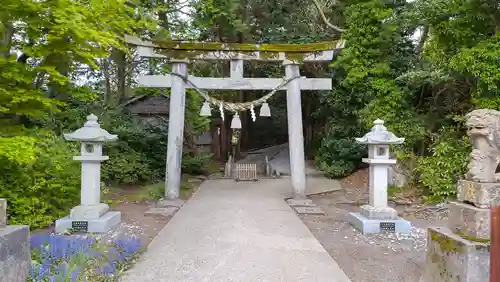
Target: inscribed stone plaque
80 226
481 195
388 226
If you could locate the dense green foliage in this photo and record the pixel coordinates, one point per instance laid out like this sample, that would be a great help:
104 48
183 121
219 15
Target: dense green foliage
43 188
422 89
59 62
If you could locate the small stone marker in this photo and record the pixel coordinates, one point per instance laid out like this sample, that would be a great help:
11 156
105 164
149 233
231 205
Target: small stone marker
170 211
378 216
3 212
300 203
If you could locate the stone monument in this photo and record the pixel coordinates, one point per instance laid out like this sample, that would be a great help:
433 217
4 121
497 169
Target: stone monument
91 215
15 254
378 216
460 251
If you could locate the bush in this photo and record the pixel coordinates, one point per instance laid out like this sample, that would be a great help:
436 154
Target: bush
44 189
439 172
139 153
195 164
339 157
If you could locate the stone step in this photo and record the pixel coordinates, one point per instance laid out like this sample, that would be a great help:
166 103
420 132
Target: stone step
309 210
166 212
300 203
165 203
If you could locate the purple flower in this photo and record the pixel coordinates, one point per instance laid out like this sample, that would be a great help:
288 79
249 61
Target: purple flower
57 256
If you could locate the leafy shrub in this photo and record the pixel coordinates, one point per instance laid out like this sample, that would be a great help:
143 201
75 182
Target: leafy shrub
339 157
195 164
439 172
139 153
126 167
44 189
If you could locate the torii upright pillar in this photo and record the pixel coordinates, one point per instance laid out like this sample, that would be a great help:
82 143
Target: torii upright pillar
295 131
175 134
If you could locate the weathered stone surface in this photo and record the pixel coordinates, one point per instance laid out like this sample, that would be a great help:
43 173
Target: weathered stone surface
15 255
482 195
300 203
469 221
378 212
398 176
309 210
170 211
165 203
3 212
484 130
450 258
88 212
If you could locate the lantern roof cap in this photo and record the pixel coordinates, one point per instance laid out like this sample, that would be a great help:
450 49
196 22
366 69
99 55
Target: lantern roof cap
90 132
379 135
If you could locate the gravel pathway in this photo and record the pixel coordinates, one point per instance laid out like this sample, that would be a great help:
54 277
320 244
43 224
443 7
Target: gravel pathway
385 257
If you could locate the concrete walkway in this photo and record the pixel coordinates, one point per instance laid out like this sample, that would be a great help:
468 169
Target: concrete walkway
281 163
239 232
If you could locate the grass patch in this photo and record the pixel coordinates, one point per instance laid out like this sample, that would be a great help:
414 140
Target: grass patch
154 192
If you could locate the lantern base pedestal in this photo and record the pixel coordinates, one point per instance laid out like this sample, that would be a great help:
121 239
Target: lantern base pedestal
367 225
100 225
451 258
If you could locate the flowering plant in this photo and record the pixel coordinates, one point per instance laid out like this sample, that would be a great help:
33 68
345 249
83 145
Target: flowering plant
59 258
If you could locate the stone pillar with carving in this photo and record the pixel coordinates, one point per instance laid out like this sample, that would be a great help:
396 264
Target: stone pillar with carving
91 215
377 216
459 252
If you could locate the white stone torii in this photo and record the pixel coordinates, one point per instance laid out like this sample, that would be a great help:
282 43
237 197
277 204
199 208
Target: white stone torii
236 81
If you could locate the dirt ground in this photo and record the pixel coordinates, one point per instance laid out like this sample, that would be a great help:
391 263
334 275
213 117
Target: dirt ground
373 258
129 201
134 221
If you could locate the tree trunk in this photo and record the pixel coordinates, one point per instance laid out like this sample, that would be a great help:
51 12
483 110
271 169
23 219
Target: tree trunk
107 81
6 40
120 59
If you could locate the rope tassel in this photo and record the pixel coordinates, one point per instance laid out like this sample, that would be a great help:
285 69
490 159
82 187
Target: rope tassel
205 110
265 111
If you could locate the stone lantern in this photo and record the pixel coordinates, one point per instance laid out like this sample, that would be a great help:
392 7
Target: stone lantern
91 215
377 216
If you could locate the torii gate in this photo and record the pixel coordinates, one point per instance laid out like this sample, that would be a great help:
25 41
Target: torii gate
180 53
